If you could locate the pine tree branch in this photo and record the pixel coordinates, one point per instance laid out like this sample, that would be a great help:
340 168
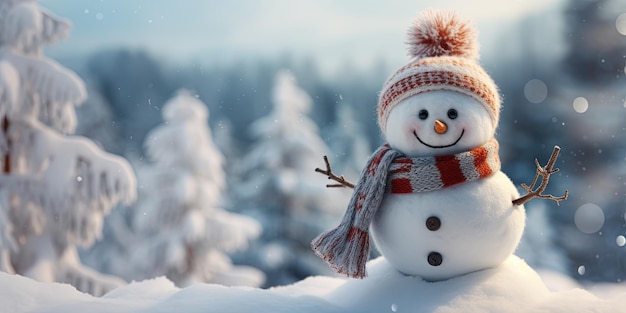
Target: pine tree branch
545 173
341 181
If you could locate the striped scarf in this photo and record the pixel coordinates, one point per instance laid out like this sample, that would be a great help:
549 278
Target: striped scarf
346 248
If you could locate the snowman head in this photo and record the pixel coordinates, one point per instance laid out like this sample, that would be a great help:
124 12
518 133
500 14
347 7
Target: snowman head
442 101
438 122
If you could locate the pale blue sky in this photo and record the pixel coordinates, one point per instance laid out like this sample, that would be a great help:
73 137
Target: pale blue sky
331 31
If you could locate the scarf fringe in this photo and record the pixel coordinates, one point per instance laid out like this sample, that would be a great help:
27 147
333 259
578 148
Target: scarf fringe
346 255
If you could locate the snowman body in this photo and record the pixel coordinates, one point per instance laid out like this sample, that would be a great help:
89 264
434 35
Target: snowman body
450 231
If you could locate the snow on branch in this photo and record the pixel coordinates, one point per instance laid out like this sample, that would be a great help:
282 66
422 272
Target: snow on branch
76 173
49 79
27 28
232 232
54 28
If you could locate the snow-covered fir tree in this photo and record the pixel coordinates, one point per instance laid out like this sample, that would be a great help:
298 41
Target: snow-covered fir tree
279 185
55 189
184 234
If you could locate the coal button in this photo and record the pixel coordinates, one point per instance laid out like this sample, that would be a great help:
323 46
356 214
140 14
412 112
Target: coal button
435 258
433 223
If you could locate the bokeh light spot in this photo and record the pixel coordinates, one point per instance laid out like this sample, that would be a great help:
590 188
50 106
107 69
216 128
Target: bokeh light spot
580 105
535 91
589 218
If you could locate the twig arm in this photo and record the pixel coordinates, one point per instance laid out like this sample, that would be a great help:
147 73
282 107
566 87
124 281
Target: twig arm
545 173
341 181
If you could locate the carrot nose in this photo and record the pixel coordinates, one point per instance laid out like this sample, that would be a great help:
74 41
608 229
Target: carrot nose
440 127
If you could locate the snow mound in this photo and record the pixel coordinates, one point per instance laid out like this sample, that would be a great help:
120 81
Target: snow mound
512 287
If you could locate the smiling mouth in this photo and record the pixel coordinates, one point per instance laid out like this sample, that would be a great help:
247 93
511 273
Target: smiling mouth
439 147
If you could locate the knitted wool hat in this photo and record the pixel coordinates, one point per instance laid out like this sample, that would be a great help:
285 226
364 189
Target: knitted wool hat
445 57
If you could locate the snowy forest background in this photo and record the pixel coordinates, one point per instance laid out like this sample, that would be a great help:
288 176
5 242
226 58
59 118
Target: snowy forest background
219 154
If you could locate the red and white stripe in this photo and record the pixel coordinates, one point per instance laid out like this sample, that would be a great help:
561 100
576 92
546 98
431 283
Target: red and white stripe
409 175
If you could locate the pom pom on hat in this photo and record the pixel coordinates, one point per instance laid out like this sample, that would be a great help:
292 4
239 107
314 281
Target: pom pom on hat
441 33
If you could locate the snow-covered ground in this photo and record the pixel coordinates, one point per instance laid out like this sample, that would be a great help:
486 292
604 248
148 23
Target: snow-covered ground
512 287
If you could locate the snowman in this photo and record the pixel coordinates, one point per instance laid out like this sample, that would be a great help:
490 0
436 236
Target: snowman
433 196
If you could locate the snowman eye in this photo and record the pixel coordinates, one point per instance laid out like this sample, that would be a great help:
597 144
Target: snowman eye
423 114
452 114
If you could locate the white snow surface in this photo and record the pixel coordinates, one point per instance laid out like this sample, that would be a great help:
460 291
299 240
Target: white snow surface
511 287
